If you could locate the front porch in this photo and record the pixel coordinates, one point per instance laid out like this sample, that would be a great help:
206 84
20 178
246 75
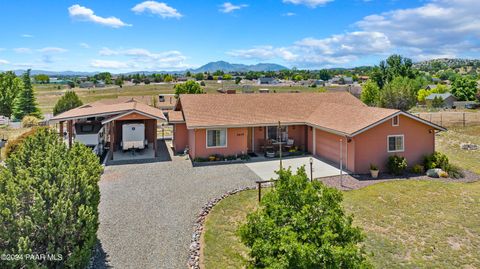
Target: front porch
269 141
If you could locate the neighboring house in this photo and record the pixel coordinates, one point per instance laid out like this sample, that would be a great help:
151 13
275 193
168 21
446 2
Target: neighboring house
100 84
86 84
266 81
430 87
447 98
327 125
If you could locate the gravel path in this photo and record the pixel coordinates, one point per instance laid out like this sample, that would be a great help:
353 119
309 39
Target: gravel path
147 210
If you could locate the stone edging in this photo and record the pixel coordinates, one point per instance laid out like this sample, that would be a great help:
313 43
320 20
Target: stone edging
198 226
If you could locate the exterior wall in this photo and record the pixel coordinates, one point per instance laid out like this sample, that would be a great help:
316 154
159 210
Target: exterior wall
180 137
259 138
371 145
297 133
327 146
310 139
236 143
191 143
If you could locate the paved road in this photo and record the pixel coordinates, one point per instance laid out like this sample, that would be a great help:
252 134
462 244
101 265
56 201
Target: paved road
147 210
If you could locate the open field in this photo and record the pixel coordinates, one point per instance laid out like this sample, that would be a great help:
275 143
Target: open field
408 224
47 95
449 143
452 118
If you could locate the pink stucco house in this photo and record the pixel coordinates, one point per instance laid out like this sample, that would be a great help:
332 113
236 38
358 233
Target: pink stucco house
328 125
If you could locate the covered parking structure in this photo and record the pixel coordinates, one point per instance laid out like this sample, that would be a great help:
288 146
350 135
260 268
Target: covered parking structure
111 116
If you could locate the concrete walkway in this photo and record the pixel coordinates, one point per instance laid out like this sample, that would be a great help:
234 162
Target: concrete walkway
266 169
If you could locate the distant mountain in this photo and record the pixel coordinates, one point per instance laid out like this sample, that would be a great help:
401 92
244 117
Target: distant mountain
229 67
56 73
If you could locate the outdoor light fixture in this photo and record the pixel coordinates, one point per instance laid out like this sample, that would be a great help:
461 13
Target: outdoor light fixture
311 169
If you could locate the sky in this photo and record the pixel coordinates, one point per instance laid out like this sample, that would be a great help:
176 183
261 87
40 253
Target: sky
135 35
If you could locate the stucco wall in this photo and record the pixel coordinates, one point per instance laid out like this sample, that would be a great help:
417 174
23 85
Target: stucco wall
259 138
371 145
236 143
180 137
191 142
297 133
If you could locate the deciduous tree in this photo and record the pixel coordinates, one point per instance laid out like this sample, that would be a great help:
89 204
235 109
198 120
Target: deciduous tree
68 101
189 87
370 93
464 89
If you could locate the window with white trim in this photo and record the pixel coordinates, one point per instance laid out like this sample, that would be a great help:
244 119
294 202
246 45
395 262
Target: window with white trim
395 143
274 133
216 138
395 121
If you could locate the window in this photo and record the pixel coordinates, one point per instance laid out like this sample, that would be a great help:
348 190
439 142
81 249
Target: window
272 133
217 138
395 121
395 143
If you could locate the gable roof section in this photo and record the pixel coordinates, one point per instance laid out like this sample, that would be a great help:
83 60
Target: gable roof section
441 95
110 108
339 113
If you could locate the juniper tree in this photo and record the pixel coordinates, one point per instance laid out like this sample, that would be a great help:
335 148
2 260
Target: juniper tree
25 103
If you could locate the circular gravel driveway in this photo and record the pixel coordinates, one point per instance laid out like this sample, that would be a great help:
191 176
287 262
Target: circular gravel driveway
147 210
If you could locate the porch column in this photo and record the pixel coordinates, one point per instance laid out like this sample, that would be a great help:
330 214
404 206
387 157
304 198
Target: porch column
314 142
112 139
155 137
61 129
253 139
70 132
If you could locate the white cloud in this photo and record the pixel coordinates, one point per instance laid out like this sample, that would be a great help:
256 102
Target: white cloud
4 61
22 50
336 49
52 50
438 28
145 59
86 14
84 45
289 14
108 64
27 35
161 9
228 7
308 3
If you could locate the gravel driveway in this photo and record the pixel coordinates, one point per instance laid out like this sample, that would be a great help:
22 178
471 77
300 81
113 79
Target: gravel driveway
147 210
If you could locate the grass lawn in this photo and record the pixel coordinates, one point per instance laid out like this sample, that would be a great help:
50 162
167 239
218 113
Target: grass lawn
408 224
449 143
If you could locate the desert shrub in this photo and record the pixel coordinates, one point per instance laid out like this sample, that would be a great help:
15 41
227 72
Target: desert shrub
14 144
30 121
396 164
454 171
436 160
417 169
49 198
302 224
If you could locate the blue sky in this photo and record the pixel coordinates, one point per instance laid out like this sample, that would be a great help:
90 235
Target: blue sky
121 36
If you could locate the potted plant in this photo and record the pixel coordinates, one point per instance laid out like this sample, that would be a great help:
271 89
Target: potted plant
373 170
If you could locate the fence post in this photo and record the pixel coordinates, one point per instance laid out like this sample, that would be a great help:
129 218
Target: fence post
463 119
259 191
441 119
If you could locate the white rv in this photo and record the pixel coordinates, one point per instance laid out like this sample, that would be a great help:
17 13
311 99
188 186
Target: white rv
91 134
133 136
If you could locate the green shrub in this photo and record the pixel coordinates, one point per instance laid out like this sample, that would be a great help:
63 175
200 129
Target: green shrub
396 164
418 169
30 121
69 101
373 167
436 160
302 224
14 144
49 198
454 171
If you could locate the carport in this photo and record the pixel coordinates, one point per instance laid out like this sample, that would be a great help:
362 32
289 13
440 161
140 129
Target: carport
265 168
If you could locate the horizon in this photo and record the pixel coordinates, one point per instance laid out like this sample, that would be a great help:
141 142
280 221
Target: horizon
173 36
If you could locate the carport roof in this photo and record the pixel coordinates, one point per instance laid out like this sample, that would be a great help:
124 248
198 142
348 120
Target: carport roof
100 108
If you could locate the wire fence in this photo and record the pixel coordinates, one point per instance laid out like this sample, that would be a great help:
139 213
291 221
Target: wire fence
451 119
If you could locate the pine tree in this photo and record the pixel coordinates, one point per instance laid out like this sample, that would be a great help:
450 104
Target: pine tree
25 103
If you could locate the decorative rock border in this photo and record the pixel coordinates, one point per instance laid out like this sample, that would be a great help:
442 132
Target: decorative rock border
198 226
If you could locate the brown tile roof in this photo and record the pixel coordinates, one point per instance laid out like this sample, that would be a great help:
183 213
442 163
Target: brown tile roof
108 108
339 112
175 116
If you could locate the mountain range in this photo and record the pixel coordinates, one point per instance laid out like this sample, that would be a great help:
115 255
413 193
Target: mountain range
210 67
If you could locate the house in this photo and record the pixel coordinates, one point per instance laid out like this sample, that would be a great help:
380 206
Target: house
86 84
430 87
107 118
332 126
266 81
100 84
447 98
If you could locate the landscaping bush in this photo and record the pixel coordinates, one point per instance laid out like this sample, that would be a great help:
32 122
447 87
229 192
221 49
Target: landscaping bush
30 121
14 144
454 171
418 169
436 160
396 164
49 198
302 224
